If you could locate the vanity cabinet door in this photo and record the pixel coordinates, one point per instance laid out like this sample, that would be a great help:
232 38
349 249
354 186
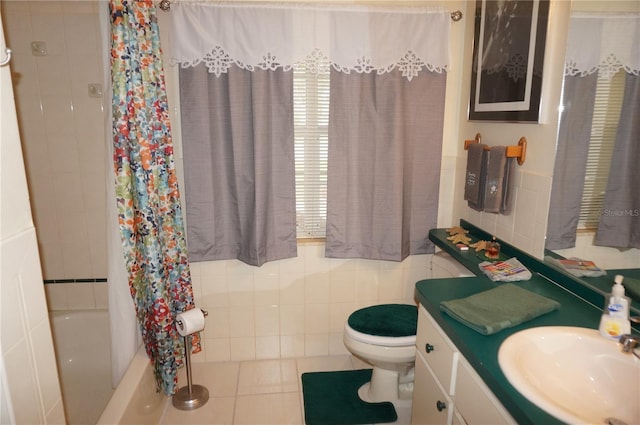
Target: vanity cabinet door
431 404
475 401
457 418
438 351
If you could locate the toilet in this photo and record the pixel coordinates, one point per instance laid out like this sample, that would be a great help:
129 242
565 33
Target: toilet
443 265
385 337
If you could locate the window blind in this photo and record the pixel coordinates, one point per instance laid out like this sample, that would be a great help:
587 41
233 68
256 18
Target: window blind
606 115
311 121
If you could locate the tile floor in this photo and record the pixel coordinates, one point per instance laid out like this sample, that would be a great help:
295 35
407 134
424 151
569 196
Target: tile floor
258 392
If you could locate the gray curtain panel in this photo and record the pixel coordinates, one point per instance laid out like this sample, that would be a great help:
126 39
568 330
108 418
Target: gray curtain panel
574 135
620 219
385 143
238 147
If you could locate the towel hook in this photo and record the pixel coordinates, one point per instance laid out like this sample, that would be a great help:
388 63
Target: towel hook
519 151
7 59
477 139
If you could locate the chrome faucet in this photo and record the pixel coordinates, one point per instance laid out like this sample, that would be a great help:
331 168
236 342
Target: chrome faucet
630 342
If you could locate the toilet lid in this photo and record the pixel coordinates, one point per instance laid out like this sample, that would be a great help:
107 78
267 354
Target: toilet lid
386 320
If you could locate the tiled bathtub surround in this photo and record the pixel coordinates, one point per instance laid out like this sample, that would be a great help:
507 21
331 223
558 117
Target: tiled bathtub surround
77 296
62 130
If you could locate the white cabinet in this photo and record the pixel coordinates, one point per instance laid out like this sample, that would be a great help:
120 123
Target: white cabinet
474 399
447 390
433 405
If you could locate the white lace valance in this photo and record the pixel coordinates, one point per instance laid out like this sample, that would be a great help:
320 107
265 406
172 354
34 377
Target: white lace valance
604 44
352 38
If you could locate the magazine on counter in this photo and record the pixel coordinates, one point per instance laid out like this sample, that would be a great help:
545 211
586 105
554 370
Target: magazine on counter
578 264
510 270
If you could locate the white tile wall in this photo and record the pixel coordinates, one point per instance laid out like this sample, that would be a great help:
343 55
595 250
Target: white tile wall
526 226
30 386
295 307
77 296
62 131
288 308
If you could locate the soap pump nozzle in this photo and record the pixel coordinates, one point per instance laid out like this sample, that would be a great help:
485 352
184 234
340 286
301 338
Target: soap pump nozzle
618 289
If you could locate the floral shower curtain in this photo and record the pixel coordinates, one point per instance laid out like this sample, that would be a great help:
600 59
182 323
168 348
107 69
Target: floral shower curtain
148 199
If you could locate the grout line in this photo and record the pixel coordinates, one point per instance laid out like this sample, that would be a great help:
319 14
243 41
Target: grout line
80 280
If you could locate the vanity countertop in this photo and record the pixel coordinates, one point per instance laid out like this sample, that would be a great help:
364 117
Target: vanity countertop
482 350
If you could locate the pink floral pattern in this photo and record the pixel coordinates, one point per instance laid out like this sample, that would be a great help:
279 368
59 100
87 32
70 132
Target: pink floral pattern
147 192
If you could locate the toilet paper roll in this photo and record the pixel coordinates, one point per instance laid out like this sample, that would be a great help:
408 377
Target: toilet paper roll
190 321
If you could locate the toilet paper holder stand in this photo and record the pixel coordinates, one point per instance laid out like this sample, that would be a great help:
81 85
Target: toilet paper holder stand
191 396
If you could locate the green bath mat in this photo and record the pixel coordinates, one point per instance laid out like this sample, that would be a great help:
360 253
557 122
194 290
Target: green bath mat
331 398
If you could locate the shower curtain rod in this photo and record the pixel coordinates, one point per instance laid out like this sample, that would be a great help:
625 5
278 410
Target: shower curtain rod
166 6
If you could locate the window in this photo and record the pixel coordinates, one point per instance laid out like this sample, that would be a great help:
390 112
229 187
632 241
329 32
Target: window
606 115
311 126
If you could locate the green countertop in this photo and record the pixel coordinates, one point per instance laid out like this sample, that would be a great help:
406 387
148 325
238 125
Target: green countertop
579 307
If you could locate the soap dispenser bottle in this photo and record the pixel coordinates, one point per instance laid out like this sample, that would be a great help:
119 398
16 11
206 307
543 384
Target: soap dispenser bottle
615 318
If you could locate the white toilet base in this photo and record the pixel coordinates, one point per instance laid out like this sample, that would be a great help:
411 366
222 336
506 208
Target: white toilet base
385 385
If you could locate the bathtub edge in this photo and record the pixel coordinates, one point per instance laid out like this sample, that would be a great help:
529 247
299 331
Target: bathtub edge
124 393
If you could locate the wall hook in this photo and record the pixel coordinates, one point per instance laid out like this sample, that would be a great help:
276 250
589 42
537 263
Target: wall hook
165 5
7 59
456 15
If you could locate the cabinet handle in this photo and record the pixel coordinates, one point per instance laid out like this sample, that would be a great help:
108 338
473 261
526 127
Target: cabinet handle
429 348
441 405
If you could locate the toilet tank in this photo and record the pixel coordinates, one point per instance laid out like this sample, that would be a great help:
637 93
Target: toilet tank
443 265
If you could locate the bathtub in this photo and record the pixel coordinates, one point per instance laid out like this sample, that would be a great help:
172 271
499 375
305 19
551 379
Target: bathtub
135 400
81 340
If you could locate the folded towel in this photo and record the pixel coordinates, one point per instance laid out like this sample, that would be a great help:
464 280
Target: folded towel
493 187
503 307
632 288
507 185
475 177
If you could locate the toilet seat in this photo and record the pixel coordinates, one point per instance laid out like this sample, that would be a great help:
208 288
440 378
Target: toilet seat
389 325
385 341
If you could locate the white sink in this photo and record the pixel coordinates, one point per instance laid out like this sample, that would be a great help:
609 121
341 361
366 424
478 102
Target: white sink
573 374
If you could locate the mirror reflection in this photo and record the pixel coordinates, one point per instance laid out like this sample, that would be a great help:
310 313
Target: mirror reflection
595 203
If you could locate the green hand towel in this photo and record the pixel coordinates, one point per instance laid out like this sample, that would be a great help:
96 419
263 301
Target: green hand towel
632 288
503 307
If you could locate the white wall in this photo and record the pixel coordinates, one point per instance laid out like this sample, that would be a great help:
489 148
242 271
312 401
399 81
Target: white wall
298 307
30 388
62 131
526 226
286 308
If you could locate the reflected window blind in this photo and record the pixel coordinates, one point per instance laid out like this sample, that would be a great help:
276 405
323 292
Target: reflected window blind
606 115
311 124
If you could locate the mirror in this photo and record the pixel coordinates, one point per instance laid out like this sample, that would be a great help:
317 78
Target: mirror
602 284
625 262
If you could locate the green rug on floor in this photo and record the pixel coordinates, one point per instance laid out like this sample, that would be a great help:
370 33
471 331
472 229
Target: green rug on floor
331 398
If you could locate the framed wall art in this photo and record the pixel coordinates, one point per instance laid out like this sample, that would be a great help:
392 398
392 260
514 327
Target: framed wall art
508 56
